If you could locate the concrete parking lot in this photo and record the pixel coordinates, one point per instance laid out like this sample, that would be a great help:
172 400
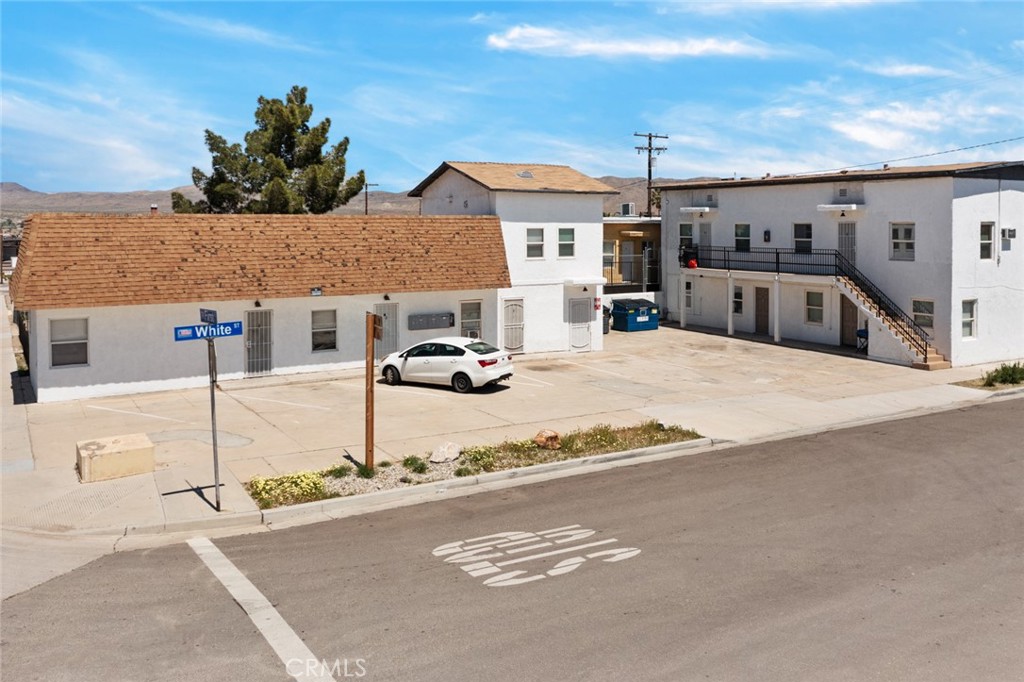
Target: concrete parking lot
728 389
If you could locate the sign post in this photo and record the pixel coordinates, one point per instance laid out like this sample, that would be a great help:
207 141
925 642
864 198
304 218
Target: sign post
373 331
210 330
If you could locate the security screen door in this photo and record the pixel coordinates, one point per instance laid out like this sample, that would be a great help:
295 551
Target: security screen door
513 316
258 342
389 315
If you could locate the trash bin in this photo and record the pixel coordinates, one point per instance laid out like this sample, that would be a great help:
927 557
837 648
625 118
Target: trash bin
634 314
607 317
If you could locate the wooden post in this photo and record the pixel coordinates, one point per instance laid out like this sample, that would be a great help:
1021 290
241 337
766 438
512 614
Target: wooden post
368 459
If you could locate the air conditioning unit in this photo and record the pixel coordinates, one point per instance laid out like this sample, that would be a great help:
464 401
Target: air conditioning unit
1009 233
628 209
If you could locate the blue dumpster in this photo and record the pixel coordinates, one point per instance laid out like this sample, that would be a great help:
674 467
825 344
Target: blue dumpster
634 315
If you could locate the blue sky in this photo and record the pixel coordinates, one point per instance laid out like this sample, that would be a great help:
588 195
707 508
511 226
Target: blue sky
116 96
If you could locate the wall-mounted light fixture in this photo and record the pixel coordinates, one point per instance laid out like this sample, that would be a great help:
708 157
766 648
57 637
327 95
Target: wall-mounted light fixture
767 236
258 304
316 291
584 289
386 297
842 214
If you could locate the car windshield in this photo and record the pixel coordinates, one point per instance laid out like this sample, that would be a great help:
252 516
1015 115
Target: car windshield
482 348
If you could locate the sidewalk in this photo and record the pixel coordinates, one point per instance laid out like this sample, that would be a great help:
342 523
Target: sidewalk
728 389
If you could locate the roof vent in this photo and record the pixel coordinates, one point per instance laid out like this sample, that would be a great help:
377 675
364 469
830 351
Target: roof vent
525 175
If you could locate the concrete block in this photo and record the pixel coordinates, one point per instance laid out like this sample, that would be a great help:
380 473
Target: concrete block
105 458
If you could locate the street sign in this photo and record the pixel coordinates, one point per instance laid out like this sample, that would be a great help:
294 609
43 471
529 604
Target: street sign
207 316
196 332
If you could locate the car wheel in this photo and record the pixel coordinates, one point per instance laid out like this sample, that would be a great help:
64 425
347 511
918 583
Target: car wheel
461 383
391 376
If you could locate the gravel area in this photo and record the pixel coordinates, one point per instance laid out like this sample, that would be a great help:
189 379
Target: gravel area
388 478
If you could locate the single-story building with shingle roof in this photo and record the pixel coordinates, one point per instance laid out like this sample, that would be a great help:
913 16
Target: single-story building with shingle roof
101 294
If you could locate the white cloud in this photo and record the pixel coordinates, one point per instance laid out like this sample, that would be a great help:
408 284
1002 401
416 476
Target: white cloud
559 43
721 7
397 106
226 30
894 70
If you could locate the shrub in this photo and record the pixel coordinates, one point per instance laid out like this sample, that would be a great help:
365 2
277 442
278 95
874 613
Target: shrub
364 471
481 456
338 470
1005 374
415 464
274 491
464 471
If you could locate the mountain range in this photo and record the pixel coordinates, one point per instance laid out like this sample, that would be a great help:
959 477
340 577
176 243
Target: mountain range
17 201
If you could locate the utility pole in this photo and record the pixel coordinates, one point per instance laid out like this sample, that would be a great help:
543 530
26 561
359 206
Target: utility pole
366 198
651 151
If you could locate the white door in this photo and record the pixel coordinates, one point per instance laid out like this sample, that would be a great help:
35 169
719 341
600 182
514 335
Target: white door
705 234
389 318
627 255
513 317
848 241
579 323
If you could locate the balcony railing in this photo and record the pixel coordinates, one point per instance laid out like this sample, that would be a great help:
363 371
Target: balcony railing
631 274
825 262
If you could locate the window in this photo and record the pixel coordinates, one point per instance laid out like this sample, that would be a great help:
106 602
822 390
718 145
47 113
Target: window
688 295
987 230
325 330
69 342
902 241
814 307
802 237
685 235
608 257
742 237
737 300
535 242
924 312
842 192
469 314
969 319
566 242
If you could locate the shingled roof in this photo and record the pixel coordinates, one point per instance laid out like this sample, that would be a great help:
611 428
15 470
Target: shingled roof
520 177
72 261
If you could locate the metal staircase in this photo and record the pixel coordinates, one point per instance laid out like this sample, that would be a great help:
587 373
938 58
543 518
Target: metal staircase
851 282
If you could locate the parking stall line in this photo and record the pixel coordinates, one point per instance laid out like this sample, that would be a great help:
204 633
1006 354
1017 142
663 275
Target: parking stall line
281 402
596 369
136 414
279 635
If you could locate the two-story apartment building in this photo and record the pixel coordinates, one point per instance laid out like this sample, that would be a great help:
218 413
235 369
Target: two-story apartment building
551 222
916 265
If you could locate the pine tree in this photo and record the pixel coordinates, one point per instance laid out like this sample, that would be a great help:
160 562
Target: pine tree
282 169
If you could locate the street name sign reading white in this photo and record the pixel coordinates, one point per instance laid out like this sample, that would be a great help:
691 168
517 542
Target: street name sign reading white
195 332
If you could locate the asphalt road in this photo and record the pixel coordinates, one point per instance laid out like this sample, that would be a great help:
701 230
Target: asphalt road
885 552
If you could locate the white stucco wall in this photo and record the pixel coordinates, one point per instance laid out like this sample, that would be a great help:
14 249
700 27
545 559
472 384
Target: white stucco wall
997 283
546 284
946 213
132 348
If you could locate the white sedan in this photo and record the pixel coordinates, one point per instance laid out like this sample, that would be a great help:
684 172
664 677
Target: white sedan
460 362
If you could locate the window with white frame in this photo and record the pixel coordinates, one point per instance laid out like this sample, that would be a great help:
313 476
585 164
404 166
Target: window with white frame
969 318
566 242
325 330
688 295
535 242
469 317
924 312
814 307
802 237
987 230
902 243
685 235
742 237
737 300
69 342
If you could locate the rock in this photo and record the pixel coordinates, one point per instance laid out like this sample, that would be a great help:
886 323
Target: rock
548 439
445 452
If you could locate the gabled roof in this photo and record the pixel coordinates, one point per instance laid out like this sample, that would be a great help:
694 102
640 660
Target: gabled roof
71 260
519 177
1008 170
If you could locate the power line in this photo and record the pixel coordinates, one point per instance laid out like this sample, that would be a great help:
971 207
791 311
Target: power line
918 156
